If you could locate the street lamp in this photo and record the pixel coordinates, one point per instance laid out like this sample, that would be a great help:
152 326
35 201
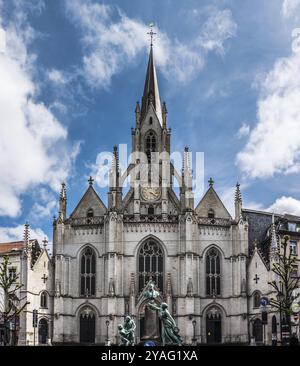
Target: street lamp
107 325
194 340
280 298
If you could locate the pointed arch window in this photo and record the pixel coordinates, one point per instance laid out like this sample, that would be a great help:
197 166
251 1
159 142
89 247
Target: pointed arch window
211 213
88 273
256 299
90 213
150 264
213 273
44 300
151 144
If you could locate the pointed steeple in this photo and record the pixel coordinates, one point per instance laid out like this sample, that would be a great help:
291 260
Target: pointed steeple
151 91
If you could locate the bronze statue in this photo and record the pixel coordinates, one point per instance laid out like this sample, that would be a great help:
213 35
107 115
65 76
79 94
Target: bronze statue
126 332
170 332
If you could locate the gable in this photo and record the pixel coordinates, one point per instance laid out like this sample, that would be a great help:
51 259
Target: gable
212 201
90 200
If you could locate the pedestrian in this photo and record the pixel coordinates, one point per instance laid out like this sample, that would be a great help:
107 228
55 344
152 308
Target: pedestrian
294 340
274 339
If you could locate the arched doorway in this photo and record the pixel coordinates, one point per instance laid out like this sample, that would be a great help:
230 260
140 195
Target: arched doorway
213 326
87 326
43 331
257 331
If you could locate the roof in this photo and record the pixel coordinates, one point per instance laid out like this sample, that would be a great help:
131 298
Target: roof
13 246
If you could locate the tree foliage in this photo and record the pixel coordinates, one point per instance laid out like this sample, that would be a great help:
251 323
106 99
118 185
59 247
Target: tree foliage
10 286
287 282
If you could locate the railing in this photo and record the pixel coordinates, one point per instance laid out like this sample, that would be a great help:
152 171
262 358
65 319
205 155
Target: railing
87 221
151 218
213 221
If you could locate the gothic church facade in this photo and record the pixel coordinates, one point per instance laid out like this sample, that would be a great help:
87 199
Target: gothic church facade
105 256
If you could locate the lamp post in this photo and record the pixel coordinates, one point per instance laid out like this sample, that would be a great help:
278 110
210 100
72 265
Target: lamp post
194 340
107 325
280 298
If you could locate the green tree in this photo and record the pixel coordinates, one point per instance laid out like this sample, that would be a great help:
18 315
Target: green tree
287 282
11 309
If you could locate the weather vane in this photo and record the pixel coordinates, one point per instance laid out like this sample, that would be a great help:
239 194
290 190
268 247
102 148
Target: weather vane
151 33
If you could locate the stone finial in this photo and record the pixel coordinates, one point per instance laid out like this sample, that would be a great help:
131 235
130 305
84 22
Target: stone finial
238 195
45 243
63 191
26 236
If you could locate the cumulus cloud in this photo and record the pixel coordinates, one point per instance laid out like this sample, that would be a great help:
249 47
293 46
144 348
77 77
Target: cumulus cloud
34 146
273 145
111 40
290 7
287 205
243 130
57 76
9 234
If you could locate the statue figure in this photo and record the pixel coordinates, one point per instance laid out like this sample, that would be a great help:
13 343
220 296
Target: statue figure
170 332
151 320
111 288
190 287
151 293
126 332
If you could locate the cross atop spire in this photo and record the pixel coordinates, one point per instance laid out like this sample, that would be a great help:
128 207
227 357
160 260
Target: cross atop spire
211 182
91 181
151 33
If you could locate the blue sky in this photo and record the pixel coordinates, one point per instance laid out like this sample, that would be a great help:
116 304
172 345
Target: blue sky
72 72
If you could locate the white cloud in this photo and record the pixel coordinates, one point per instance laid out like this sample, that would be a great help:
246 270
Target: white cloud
243 130
110 43
273 145
284 205
290 7
57 76
33 143
219 27
46 205
8 234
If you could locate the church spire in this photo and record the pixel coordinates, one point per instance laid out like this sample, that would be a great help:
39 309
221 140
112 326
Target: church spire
151 91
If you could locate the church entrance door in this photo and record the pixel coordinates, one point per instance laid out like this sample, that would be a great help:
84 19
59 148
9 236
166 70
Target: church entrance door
213 326
258 331
87 328
43 331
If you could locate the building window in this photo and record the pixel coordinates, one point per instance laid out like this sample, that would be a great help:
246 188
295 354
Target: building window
88 273
90 213
256 299
44 300
291 226
150 145
211 213
12 273
294 271
213 272
150 121
293 247
150 210
150 265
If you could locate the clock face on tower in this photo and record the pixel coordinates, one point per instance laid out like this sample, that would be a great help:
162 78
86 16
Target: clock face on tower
150 193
